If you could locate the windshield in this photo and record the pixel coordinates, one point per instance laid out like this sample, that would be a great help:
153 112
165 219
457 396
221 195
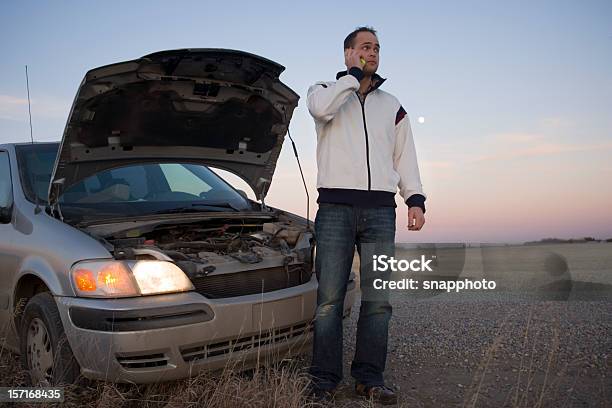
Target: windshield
140 189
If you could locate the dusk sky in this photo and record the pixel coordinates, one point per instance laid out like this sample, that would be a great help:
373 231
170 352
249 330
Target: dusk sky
516 144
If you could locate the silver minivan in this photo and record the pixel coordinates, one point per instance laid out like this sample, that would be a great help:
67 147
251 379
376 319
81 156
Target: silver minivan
125 257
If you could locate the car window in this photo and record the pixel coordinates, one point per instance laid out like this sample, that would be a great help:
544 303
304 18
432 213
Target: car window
149 182
35 162
100 187
6 186
139 189
179 178
133 176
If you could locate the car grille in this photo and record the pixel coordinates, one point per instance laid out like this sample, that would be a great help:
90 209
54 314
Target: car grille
251 282
275 336
143 361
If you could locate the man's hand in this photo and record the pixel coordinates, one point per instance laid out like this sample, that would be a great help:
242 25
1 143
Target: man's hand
416 219
352 58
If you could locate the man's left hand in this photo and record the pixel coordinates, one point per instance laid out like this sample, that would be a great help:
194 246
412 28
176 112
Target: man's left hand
416 219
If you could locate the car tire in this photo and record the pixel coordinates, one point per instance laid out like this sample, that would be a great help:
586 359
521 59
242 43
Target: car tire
45 352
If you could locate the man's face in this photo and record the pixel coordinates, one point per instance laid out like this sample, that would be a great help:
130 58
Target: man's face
368 47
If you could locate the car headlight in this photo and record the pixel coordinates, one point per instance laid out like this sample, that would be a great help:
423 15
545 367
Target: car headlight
129 278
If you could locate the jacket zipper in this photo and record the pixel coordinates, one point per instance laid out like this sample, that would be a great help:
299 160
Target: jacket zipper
366 140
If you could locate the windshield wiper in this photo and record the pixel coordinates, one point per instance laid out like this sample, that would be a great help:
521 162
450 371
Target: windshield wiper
198 207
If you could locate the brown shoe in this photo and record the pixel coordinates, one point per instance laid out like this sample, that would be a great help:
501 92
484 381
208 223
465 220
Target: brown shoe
377 393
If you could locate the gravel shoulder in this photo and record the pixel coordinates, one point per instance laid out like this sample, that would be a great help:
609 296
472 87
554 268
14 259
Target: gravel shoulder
542 338
493 352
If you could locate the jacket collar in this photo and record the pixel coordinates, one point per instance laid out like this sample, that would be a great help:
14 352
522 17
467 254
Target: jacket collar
377 80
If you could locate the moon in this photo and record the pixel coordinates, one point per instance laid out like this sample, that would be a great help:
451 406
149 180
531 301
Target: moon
421 119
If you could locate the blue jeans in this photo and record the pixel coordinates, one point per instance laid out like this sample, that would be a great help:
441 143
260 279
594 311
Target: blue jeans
338 228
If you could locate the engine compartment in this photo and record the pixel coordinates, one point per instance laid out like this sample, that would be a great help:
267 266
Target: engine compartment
225 256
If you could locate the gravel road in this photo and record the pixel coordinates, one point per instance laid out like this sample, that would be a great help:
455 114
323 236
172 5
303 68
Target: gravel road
494 351
527 347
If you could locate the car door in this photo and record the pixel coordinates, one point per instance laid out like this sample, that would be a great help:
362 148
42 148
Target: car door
7 261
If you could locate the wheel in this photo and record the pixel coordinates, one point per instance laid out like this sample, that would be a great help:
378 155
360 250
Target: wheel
45 352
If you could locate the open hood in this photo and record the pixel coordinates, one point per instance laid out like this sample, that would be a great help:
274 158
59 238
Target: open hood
218 107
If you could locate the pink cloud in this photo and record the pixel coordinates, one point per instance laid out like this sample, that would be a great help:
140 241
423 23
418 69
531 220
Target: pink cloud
518 137
542 149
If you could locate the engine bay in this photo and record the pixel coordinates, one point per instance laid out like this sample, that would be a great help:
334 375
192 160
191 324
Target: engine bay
220 246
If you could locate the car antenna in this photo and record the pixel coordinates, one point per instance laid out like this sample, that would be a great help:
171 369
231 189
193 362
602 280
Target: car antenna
302 174
37 209
29 108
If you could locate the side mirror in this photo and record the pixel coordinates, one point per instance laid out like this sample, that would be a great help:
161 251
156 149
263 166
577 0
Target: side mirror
6 214
242 193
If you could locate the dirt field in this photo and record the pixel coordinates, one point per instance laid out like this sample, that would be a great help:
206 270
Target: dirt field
544 338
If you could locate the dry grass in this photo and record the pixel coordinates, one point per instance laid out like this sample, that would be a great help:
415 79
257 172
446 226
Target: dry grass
274 382
282 384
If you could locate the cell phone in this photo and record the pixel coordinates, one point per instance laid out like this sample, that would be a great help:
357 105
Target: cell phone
363 62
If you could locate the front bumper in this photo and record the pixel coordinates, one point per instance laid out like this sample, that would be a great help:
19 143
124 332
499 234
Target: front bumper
173 336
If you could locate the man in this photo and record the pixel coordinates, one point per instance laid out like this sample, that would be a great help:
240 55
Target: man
364 151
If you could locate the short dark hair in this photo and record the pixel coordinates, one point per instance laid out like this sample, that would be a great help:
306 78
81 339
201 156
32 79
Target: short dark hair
350 39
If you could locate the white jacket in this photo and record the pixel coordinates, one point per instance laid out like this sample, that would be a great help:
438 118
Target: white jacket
365 146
